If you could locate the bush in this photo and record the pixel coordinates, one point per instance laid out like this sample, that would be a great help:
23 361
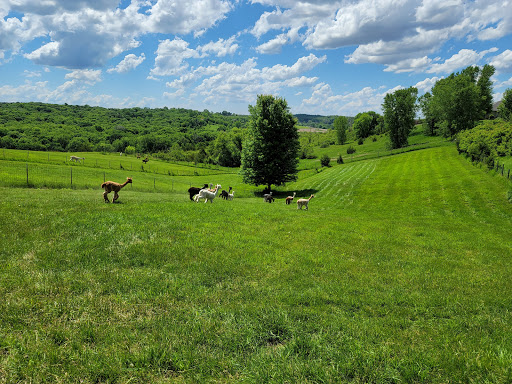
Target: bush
360 141
339 160
325 160
351 150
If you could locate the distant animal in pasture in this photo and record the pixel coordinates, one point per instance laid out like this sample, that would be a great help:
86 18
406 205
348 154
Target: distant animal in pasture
145 160
110 186
207 195
76 159
289 199
138 155
192 191
268 198
231 195
304 202
225 194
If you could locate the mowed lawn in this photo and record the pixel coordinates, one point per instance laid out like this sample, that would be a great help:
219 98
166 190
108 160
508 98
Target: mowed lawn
398 272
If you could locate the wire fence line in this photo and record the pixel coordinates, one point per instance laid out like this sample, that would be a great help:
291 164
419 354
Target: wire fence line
36 175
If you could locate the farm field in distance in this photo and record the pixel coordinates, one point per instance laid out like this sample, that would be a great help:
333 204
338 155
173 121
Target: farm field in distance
398 272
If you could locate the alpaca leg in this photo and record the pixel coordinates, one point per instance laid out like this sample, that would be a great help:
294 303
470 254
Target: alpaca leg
116 196
105 197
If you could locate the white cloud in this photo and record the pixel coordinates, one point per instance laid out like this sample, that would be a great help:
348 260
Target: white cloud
129 63
503 61
427 84
220 48
171 57
89 76
462 59
273 46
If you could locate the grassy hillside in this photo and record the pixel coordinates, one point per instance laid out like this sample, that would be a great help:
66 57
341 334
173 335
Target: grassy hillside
398 272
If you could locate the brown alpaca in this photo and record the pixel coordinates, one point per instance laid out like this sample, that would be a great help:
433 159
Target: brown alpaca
110 186
289 199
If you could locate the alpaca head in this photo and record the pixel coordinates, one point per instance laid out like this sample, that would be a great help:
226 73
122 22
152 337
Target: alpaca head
128 180
311 196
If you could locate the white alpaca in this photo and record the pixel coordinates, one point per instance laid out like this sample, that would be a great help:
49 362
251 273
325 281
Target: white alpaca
231 195
304 202
207 195
76 158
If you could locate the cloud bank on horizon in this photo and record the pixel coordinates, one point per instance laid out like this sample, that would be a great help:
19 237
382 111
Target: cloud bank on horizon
324 57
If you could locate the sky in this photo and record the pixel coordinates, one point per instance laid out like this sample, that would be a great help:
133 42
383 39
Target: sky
325 57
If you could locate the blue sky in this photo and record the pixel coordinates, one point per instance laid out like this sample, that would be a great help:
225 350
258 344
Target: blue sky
324 57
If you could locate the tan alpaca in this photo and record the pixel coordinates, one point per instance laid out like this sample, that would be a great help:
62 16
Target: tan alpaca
289 199
110 186
304 202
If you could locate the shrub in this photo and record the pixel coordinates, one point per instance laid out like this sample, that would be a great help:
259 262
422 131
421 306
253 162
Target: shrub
360 141
325 160
351 150
339 160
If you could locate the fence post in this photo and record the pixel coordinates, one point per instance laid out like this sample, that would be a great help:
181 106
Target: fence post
71 168
508 176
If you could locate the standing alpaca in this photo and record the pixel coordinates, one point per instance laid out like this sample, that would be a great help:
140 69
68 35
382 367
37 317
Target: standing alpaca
304 202
289 199
76 158
207 195
110 186
145 160
192 191
267 197
231 195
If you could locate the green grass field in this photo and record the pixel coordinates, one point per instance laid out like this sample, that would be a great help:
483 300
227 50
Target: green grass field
398 272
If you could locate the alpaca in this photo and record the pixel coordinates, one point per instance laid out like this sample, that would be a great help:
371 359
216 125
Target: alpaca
289 199
304 202
267 197
207 195
145 160
195 190
110 186
76 158
225 194
231 195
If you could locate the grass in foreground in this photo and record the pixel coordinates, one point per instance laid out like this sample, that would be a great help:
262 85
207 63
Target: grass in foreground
399 272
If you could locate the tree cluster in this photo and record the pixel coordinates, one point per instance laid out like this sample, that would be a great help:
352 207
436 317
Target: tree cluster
457 102
210 137
487 141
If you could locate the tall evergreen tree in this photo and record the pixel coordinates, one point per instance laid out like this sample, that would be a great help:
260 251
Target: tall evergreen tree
270 151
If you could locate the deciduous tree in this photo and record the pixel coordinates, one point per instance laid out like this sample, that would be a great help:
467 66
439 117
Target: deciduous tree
270 150
399 113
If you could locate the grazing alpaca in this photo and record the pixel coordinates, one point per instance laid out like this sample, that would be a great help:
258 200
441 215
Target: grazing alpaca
267 197
289 199
304 202
110 186
76 158
194 191
207 195
231 195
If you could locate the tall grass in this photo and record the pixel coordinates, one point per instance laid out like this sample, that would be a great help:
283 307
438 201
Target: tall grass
399 272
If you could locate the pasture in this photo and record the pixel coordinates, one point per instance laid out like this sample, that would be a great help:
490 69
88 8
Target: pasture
398 272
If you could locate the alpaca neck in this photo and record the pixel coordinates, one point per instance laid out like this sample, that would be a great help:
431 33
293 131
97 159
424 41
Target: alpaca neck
122 185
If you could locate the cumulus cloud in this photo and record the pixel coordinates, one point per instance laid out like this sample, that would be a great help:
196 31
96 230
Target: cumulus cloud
129 63
240 82
503 61
171 57
462 59
220 48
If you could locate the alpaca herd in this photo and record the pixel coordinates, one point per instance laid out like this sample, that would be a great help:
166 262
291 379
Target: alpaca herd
208 193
